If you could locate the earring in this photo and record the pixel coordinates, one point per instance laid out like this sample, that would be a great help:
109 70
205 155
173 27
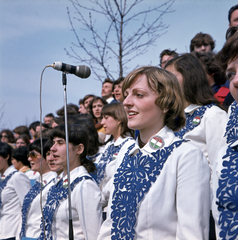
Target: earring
165 110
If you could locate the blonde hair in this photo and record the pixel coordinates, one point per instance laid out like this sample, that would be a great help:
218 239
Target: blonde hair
169 93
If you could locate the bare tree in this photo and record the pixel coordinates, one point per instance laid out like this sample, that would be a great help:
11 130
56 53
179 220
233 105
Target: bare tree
119 32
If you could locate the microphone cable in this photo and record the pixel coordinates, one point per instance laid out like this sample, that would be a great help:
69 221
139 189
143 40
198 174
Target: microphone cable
41 143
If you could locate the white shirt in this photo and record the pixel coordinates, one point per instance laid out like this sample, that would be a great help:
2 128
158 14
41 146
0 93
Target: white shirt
177 203
208 135
225 184
86 210
109 100
32 228
110 167
12 198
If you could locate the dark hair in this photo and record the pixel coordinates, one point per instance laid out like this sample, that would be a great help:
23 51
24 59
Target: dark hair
211 66
10 135
20 154
117 111
22 130
25 138
118 81
45 133
71 110
6 150
169 93
232 9
36 145
76 136
87 96
34 125
195 86
168 52
104 102
201 39
49 115
89 127
107 80
229 52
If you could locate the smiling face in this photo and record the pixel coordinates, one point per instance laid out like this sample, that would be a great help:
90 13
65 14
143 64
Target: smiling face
232 75
142 112
111 126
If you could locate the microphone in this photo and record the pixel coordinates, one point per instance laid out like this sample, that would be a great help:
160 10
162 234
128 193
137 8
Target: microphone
80 71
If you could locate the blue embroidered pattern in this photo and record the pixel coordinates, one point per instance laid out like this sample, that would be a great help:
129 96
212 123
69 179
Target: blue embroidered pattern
232 124
106 158
189 120
3 184
30 196
56 193
227 192
132 181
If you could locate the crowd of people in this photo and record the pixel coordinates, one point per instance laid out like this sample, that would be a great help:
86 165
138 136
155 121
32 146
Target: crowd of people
154 157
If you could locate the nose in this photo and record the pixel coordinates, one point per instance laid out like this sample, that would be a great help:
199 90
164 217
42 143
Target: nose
53 148
127 101
235 80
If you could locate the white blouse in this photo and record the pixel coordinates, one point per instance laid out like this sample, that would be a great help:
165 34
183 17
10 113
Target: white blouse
12 198
32 228
86 209
176 206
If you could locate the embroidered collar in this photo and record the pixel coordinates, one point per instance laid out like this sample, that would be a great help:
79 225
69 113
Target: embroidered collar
56 193
28 199
132 181
108 156
193 119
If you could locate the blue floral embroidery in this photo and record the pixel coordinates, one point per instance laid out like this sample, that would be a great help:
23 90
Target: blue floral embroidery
132 181
30 196
232 124
227 192
189 120
56 193
107 157
3 184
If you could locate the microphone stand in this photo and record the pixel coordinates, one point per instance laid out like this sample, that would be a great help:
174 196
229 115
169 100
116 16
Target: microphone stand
71 231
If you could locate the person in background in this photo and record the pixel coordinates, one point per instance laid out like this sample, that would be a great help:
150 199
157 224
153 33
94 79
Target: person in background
167 55
13 187
116 89
159 169
95 110
87 101
114 121
202 42
48 119
205 118
233 16
21 130
106 92
215 76
7 136
85 194
225 177
21 163
32 129
31 208
22 140
82 109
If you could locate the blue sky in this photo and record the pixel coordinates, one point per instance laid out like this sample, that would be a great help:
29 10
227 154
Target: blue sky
34 34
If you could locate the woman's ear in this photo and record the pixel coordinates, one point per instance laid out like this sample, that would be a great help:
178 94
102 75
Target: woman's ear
80 149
